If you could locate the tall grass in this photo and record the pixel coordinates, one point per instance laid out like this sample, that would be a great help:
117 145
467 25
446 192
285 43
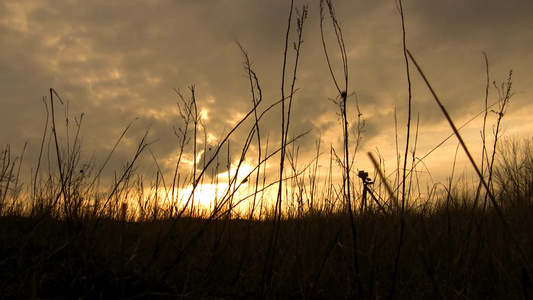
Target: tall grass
73 233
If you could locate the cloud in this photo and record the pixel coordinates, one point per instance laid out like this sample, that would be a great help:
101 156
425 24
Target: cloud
116 61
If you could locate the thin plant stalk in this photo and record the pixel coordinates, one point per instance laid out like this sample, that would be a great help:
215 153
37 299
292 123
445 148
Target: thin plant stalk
342 105
406 153
495 204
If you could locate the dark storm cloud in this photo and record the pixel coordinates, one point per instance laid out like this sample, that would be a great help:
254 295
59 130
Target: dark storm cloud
116 61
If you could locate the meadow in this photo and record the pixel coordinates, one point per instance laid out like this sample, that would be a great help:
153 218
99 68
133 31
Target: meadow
69 233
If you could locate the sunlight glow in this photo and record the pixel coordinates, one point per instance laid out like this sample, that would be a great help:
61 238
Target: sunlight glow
219 194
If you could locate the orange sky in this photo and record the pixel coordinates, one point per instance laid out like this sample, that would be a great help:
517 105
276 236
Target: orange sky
116 61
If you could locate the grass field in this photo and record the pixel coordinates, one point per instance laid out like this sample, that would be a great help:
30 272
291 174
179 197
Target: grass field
455 250
68 232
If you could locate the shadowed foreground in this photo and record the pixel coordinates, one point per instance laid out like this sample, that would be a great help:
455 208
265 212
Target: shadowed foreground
454 252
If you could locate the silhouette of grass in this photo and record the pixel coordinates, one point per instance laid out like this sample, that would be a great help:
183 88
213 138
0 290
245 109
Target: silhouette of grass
67 235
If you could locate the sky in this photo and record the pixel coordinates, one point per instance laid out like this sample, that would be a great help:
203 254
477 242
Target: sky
118 62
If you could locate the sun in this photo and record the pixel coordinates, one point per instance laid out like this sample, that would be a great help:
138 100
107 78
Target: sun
208 196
